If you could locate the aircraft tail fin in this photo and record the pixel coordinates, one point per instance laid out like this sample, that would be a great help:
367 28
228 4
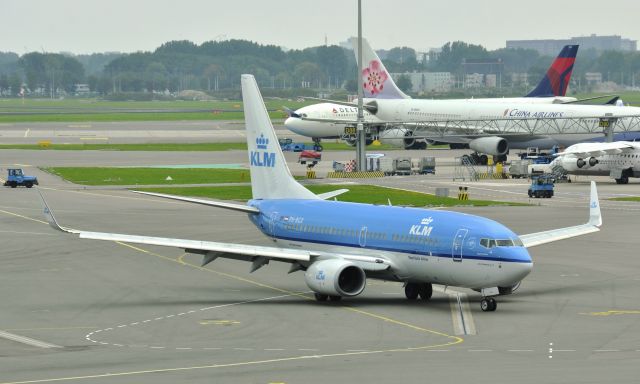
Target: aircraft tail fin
270 176
556 81
376 80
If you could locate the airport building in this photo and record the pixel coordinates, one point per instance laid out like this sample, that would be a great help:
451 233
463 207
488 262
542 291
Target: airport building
551 47
427 81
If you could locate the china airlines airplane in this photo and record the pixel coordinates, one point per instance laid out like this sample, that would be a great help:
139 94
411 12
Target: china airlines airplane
340 245
490 126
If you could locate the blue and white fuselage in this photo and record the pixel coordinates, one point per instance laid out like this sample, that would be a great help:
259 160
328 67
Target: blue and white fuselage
440 247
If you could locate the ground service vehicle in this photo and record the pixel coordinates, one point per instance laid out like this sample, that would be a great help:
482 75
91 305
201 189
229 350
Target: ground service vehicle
541 186
17 178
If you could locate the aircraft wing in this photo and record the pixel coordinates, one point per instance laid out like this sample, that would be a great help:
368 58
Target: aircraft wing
258 255
596 149
593 225
219 204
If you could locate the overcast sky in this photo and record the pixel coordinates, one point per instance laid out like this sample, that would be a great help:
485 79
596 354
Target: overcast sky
86 26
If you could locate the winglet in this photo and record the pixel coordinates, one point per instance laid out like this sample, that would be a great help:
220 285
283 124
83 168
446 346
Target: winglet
48 214
595 216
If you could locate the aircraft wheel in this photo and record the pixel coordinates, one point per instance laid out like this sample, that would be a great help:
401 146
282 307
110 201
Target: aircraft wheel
321 297
335 298
488 304
484 159
411 291
425 291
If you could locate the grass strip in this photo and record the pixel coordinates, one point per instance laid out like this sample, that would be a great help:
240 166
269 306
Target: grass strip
369 194
630 198
149 176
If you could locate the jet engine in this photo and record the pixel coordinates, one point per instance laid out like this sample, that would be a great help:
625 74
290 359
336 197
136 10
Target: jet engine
398 137
492 145
591 162
335 278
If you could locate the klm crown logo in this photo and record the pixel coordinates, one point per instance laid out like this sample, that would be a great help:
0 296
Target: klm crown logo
262 142
260 158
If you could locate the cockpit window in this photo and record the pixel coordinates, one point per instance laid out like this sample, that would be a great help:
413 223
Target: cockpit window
488 243
491 243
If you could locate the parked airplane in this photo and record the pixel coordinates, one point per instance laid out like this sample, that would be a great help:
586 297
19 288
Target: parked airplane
490 126
378 84
339 245
620 160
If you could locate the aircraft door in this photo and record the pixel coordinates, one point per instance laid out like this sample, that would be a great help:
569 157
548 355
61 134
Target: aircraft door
458 241
363 236
273 218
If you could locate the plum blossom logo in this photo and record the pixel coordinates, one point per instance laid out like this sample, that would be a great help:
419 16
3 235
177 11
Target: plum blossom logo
374 77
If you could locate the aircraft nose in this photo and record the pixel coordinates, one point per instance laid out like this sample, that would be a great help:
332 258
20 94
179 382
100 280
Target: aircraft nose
292 124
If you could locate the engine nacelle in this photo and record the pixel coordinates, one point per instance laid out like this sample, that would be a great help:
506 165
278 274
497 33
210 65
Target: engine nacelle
492 145
590 162
397 137
335 278
509 290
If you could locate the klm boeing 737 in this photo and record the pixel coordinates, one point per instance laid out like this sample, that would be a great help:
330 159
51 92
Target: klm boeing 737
339 245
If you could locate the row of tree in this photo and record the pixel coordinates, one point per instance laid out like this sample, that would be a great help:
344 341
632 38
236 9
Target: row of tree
216 65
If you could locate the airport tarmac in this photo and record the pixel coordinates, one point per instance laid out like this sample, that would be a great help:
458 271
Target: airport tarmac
131 132
91 311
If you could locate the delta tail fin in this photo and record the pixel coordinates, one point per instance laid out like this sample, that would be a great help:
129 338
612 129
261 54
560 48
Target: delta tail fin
376 80
556 81
270 176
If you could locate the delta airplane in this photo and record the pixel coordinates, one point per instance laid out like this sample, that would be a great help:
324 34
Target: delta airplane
618 160
339 245
485 125
551 89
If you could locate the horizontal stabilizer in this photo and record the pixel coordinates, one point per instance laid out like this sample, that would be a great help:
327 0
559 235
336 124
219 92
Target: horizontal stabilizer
328 195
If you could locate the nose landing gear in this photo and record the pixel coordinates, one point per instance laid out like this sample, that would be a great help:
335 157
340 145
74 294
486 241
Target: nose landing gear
488 304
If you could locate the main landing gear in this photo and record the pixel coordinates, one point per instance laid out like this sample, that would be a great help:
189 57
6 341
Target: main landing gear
488 304
322 297
413 290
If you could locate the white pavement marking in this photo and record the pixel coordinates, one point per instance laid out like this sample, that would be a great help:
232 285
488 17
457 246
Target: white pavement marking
26 133
90 335
27 340
463 323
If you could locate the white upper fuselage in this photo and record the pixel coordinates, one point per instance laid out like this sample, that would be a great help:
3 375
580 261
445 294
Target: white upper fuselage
418 110
525 100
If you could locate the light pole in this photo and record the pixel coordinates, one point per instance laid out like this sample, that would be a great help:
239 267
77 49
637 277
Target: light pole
361 142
